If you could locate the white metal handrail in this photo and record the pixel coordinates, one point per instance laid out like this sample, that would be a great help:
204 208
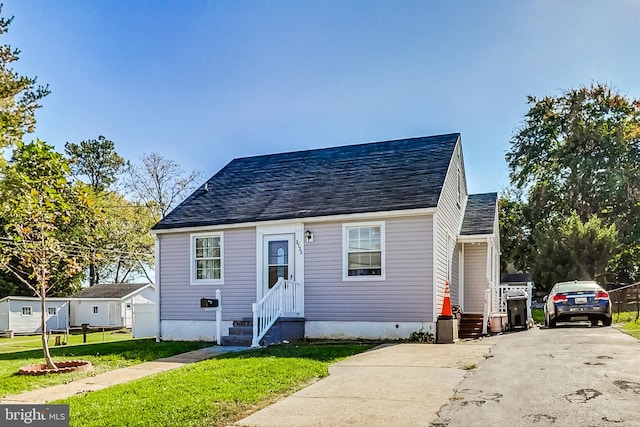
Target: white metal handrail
285 297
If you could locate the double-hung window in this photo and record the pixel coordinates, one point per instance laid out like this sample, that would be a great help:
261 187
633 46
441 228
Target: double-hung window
363 251
51 311
26 310
206 259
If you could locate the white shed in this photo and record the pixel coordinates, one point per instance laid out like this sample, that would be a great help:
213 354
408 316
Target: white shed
109 305
22 314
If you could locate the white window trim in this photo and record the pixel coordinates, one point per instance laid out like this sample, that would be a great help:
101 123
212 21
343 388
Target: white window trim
192 259
30 310
95 309
345 255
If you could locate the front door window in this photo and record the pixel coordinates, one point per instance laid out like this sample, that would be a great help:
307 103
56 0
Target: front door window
278 259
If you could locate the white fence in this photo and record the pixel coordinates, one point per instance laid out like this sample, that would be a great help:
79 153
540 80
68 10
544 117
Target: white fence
144 320
499 300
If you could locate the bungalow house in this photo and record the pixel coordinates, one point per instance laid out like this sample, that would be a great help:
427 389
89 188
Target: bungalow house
22 315
109 305
353 241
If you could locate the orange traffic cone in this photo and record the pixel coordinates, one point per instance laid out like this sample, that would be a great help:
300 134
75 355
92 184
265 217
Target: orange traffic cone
446 303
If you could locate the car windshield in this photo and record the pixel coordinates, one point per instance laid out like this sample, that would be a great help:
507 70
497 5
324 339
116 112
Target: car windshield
576 287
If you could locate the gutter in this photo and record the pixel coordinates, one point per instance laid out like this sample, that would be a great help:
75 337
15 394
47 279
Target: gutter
157 280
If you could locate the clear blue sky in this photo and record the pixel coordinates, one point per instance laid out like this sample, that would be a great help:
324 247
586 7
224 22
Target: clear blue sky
203 82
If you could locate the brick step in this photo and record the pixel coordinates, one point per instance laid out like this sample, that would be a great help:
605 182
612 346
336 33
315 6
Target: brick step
472 316
241 330
470 326
470 335
241 334
243 322
237 340
473 329
285 329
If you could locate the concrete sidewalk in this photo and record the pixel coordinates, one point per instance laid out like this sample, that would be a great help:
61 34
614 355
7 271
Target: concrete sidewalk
116 376
396 385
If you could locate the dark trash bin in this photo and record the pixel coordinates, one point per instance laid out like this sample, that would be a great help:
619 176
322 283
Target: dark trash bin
516 309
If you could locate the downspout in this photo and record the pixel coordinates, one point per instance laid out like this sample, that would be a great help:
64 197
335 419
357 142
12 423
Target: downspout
489 274
434 249
157 280
461 278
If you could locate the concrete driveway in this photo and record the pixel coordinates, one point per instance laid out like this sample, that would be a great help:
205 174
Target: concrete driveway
573 375
397 385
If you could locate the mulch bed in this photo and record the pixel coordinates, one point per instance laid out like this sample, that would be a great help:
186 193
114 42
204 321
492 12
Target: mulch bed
63 368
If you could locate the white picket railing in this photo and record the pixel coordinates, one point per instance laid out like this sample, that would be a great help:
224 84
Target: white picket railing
499 299
286 298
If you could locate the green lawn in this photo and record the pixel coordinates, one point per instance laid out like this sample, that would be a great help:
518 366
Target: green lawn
214 392
538 315
104 357
629 323
32 342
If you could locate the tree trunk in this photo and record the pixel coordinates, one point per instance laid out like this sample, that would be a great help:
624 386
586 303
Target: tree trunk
92 267
45 340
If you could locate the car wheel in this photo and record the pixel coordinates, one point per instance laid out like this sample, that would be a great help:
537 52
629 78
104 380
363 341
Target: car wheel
606 321
594 322
552 322
546 320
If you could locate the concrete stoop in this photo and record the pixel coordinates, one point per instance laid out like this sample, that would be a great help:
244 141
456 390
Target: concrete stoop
285 329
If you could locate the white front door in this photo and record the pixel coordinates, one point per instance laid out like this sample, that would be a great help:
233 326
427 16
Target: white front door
278 254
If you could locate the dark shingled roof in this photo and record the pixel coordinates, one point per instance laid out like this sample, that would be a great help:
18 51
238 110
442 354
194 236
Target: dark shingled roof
373 177
516 278
480 214
113 290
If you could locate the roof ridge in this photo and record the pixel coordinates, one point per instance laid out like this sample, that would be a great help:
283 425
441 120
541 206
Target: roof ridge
357 144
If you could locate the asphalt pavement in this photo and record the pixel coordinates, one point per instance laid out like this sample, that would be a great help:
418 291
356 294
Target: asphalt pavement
573 375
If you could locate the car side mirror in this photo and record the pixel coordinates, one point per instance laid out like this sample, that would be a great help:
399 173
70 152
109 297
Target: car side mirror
545 298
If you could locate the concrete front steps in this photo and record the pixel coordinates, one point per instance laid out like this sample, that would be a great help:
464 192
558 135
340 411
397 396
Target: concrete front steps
470 326
285 329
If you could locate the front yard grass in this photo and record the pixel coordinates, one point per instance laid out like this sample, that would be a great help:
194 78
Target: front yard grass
538 315
104 357
629 323
214 392
31 342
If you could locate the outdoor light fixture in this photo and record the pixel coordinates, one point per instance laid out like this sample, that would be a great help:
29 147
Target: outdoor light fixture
309 236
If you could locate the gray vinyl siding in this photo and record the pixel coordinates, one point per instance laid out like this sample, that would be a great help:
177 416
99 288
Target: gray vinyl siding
179 300
475 277
448 223
404 296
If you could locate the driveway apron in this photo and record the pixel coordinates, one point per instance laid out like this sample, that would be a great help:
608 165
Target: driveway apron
396 385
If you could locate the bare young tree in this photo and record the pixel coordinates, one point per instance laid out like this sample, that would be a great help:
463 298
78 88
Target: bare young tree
160 183
43 214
